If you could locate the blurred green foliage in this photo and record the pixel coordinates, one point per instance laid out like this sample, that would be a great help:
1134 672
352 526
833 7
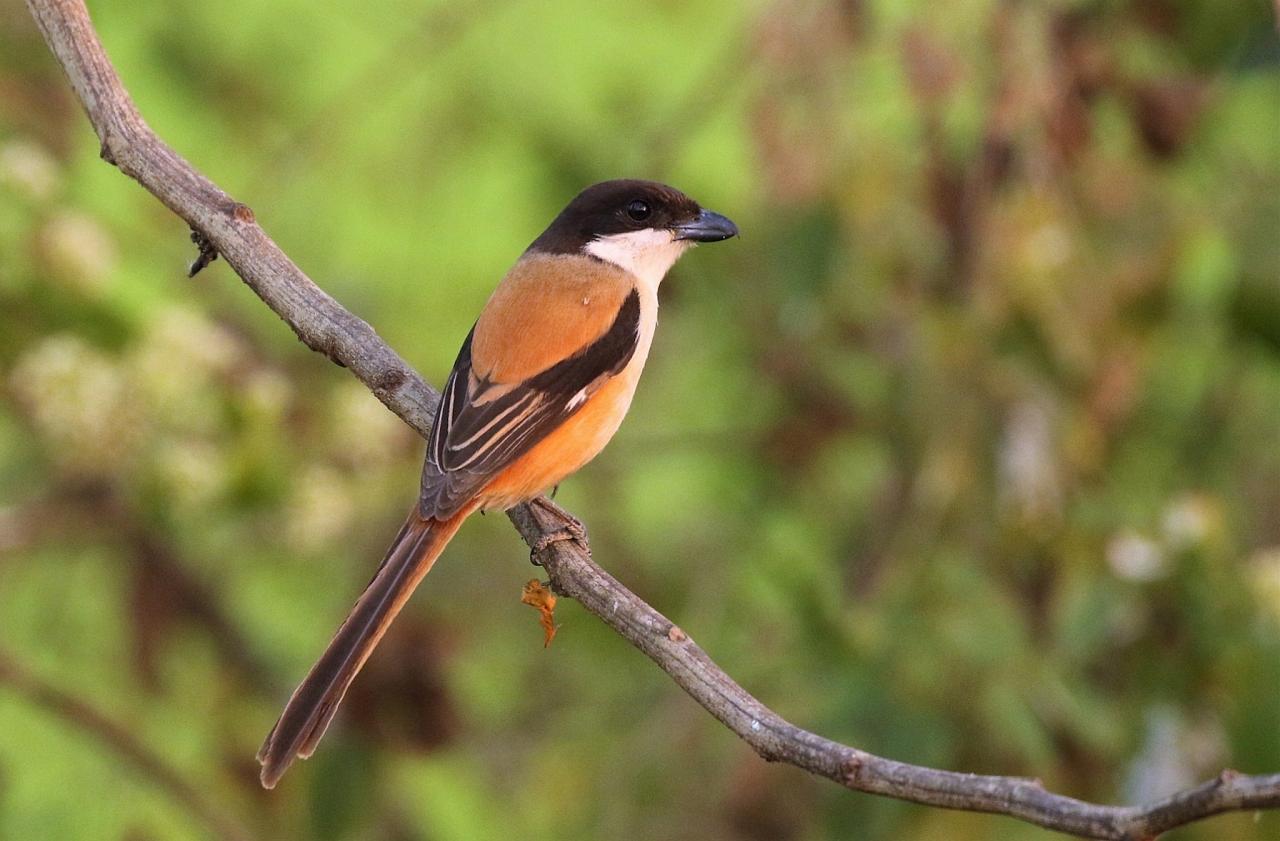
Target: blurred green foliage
968 453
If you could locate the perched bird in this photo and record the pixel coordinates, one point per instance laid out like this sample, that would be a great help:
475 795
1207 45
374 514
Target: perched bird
540 386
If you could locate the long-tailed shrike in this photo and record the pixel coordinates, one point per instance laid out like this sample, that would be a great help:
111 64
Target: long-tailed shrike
540 386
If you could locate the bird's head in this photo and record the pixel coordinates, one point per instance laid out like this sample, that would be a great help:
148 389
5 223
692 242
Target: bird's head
642 226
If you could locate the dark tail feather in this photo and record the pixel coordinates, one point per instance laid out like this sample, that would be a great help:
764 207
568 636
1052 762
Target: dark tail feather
309 711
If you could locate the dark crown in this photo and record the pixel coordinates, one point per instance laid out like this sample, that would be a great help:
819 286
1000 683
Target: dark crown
615 207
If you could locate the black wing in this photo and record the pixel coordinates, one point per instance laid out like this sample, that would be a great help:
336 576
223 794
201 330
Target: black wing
481 427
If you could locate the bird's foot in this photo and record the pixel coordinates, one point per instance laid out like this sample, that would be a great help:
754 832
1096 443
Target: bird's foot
569 527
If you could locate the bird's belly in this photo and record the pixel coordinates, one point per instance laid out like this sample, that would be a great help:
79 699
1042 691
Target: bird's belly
574 443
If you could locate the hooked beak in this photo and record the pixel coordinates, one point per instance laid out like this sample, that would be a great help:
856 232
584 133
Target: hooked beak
708 227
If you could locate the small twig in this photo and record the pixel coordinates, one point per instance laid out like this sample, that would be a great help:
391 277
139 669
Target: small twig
84 716
127 141
207 253
325 326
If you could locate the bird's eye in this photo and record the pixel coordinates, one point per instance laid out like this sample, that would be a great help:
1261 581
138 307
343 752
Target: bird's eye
639 210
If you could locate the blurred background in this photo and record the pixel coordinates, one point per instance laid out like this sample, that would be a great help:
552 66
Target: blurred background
967 453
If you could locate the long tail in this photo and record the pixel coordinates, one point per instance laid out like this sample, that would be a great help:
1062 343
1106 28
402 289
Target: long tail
309 711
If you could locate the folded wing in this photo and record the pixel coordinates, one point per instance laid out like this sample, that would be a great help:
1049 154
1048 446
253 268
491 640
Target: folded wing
484 426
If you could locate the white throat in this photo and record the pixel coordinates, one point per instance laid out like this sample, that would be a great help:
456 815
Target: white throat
647 254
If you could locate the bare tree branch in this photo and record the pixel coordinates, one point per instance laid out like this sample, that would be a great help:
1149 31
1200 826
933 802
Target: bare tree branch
325 326
129 143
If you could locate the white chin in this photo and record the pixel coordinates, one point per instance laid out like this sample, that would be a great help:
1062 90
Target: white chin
647 254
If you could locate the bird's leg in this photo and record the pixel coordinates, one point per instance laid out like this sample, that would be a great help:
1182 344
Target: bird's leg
569 528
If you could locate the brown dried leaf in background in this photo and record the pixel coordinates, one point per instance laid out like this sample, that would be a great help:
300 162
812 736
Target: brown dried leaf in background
163 593
933 71
403 697
803 50
1167 112
762 805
